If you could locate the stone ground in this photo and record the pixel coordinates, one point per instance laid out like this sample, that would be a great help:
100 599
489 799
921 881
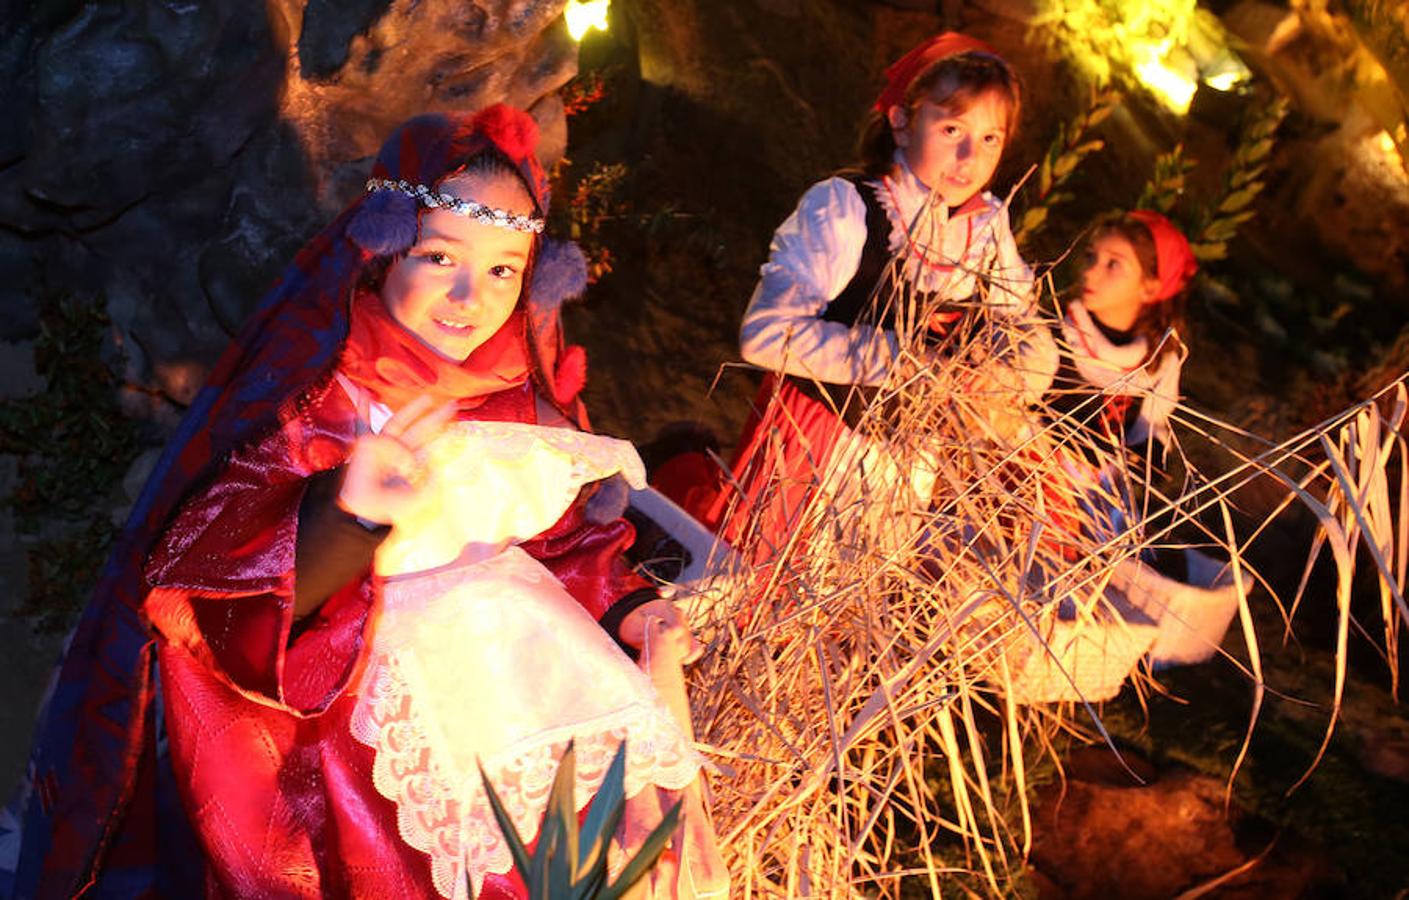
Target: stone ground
1106 835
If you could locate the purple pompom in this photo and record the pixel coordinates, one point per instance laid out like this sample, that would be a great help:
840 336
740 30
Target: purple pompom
559 275
385 224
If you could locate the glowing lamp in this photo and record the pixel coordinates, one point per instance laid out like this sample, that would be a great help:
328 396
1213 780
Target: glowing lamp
1223 81
1384 142
584 15
1172 86
1224 72
1176 90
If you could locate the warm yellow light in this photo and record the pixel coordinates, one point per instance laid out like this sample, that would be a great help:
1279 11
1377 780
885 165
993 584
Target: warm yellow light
1224 81
584 15
1173 87
1388 151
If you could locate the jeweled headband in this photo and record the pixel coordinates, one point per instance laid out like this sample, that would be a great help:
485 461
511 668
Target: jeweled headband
433 199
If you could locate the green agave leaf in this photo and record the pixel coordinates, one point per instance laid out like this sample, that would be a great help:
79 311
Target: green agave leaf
562 809
506 825
642 862
603 816
537 874
589 888
560 880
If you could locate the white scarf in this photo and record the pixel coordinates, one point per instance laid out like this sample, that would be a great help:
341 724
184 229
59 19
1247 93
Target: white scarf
1119 369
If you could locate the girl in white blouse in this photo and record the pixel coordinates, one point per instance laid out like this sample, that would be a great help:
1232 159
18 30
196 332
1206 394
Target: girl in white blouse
914 220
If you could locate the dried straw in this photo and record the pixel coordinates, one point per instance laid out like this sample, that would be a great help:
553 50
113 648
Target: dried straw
872 691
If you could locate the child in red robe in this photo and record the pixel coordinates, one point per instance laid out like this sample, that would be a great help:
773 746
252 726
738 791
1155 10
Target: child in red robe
364 568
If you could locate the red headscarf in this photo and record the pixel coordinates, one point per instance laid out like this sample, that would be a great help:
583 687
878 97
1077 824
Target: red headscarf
1173 259
903 72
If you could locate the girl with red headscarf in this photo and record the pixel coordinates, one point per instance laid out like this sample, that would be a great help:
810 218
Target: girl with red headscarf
1117 381
914 221
366 567
1119 335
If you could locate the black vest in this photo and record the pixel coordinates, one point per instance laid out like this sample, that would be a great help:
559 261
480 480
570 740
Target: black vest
869 299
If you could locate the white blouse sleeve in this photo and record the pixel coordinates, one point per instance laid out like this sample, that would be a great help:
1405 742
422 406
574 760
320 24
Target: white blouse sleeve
1028 354
1010 277
813 256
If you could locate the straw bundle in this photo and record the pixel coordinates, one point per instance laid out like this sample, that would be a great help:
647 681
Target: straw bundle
962 553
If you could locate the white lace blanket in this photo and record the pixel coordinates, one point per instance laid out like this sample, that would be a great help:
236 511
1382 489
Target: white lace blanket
487 659
490 484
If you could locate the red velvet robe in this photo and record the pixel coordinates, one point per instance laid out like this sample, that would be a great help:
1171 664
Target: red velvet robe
277 790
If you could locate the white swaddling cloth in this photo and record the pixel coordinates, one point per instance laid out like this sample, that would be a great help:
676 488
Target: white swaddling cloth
478 653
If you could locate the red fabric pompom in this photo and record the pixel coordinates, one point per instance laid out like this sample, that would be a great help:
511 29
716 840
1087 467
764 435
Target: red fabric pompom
570 374
513 131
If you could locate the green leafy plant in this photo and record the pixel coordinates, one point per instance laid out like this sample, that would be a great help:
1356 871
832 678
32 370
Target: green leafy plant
1212 226
1071 145
595 199
74 444
570 861
583 93
1166 184
1108 40
1242 182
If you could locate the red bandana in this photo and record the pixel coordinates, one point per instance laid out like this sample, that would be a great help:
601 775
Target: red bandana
905 70
1173 258
393 364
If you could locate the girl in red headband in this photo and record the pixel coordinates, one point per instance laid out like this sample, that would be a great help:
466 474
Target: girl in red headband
1119 335
1117 381
913 219
364 570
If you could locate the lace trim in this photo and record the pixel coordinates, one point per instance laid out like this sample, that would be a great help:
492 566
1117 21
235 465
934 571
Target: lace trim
934 225
496 483
453 823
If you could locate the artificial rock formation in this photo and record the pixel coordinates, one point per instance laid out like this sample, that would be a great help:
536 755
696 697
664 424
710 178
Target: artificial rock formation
171 155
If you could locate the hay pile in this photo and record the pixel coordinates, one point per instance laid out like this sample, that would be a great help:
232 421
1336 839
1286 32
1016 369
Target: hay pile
872 688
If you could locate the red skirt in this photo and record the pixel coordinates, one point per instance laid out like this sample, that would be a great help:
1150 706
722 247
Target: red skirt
779 464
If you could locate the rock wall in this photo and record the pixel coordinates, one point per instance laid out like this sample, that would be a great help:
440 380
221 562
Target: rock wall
173 155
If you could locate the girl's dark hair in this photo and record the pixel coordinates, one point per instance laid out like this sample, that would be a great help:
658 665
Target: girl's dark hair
1155 319
954 82
489 162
